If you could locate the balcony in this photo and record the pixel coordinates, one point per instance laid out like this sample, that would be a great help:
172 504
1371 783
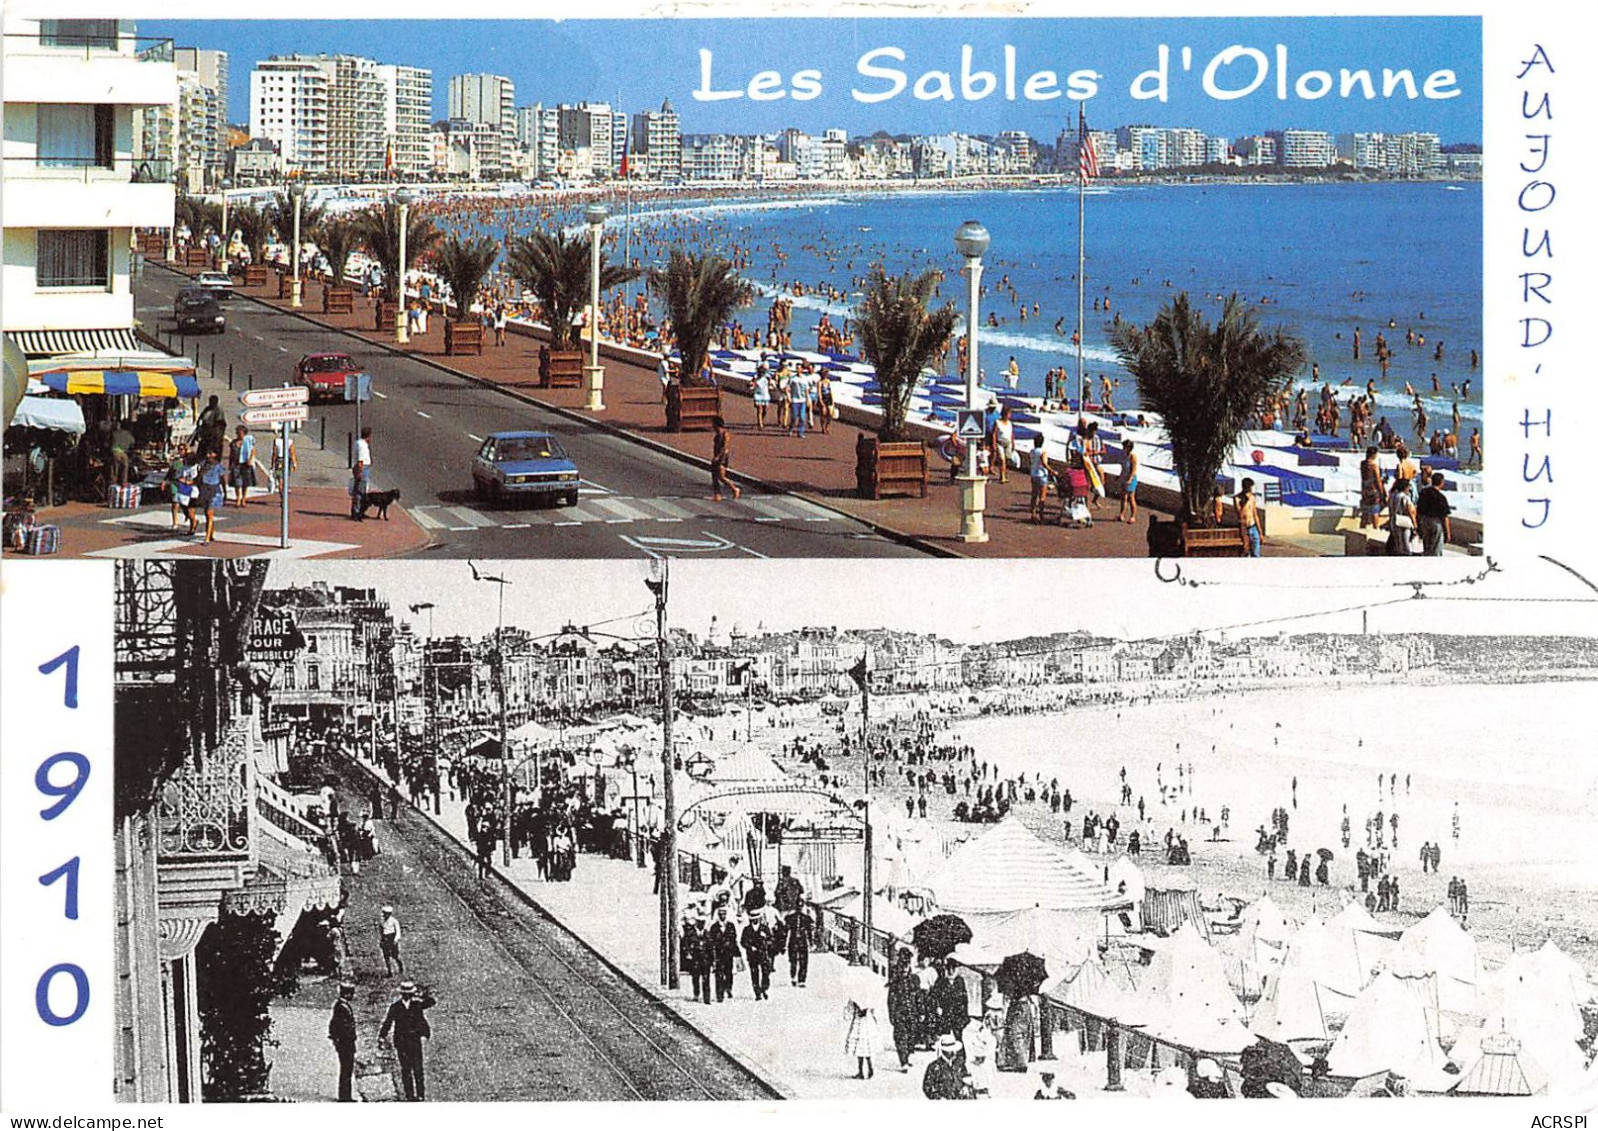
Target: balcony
123 70
207 825
127 193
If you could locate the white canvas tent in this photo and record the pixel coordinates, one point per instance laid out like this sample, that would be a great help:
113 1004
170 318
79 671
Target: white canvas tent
1187 997
1388 1030
1437 944
1010 869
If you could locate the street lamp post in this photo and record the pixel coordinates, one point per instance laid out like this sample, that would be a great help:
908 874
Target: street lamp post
404 198
668 833
227 236
297 194
628 760
971 240
595 215
504 738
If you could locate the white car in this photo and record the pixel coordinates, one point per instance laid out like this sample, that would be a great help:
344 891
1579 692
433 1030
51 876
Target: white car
219 282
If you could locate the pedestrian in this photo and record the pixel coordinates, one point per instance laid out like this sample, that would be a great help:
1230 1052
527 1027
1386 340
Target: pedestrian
798 403
694 959
1372 495
1401 521
212 476
361 475
1248 518
720 461
948 1005
760 393
241 465
1049 1090
1038 470
723 945
499 324
341 1031
945 1078
981 1042
122 444
180 476
388 930
1129 470
663 372
825 408
407 1020
758 944
864 1038
800 927
1001 439
904 1008
1433 512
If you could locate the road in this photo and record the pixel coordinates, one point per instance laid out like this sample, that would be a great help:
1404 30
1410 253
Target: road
427 424
525 1010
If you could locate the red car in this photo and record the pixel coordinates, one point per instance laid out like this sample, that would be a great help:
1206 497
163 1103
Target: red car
323 374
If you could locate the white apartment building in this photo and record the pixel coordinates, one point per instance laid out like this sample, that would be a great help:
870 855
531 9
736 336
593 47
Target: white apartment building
407 116
487 100
1256 150
657 145
74 186
343 114
202 115
587 137
1305 149
289 106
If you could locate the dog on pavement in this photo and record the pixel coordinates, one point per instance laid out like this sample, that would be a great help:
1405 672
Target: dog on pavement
380 501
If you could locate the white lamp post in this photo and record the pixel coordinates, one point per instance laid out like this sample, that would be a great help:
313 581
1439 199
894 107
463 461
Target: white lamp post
404 198
296 194
595 215
971 240
227 235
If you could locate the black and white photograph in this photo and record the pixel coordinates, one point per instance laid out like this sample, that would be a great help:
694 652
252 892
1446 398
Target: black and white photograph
714 832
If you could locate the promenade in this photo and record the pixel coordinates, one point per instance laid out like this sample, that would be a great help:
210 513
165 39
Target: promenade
795 1039
819 467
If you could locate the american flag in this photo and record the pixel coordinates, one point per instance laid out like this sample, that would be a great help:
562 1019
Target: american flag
1087 158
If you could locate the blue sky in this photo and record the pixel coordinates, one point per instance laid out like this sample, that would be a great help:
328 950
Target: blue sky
640 62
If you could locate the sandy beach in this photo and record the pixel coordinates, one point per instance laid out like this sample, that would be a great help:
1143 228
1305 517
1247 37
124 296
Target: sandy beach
1527 802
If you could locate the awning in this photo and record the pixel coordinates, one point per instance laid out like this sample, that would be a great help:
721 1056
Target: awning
149 375
48 412
47 343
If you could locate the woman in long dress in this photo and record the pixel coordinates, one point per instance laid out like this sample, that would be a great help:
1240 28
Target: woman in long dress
981 1052
864 1038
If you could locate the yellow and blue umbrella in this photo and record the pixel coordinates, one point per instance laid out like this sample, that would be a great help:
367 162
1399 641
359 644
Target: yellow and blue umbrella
156 377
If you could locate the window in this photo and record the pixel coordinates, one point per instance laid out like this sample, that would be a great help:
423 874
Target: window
74 258
78 33
75 136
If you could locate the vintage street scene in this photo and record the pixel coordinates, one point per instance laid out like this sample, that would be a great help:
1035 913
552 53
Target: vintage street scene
472 832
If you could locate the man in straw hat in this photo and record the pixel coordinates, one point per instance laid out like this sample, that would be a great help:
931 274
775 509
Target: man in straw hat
1048 1089
407 1019
945 1078
388 932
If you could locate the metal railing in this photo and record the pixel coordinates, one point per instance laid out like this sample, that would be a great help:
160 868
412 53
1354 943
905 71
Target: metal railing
83 42
90 170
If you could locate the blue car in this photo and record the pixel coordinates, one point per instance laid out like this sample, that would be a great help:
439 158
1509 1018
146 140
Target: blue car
524 465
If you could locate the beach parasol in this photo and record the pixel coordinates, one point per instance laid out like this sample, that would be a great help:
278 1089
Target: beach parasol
1324 853
863 986
937 936
1021 975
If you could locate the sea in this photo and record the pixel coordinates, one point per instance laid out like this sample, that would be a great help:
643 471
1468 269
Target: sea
1318 259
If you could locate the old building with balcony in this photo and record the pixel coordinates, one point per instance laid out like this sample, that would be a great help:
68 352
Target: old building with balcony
76 181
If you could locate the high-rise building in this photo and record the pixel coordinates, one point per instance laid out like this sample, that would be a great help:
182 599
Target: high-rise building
538 134
587 133
202 109
1304 149
77 182
343 114
488 101
407 117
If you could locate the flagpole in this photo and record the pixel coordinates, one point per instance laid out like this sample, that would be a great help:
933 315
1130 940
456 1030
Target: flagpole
1081 269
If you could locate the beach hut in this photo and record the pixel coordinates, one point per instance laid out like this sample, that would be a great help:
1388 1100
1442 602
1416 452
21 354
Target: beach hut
1168 903
1388 1031
1502 1068
1437 944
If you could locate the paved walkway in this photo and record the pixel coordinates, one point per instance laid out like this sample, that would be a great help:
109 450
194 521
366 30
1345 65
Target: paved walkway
795 1039
818 467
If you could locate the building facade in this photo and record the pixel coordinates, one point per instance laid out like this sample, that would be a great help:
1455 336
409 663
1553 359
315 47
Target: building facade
487 101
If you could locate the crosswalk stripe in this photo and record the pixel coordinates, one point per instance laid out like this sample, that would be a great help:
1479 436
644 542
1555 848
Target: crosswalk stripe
470 517
613 507
581 513
426 520
791 506
762 507
667 508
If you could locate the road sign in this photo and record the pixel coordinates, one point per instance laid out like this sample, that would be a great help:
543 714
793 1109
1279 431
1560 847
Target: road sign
287 414
970 424
275 398
357 387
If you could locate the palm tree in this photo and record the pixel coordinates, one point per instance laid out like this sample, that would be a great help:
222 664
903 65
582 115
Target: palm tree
280 211
254 228
462 263
555 268
1207 382
377 230
900 335
335 240
700 292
